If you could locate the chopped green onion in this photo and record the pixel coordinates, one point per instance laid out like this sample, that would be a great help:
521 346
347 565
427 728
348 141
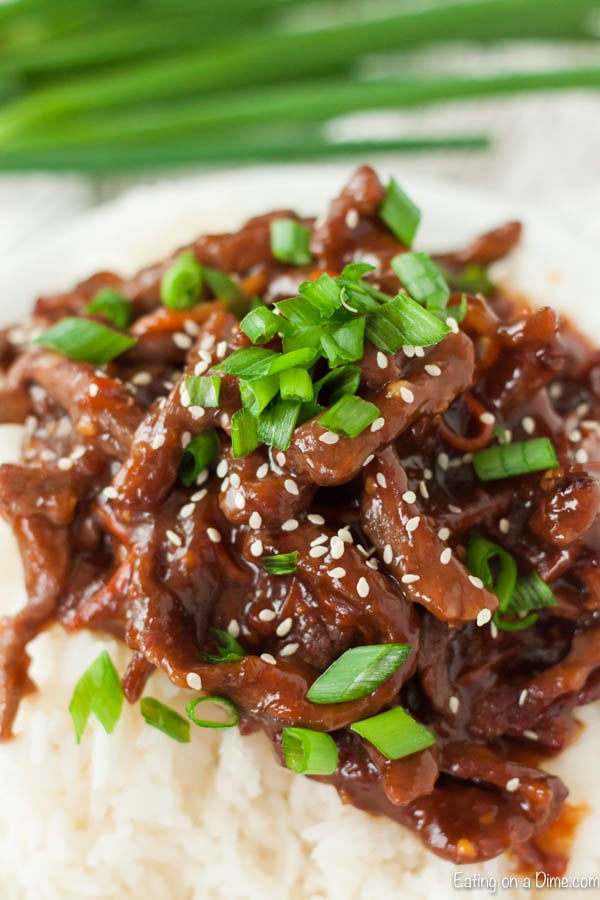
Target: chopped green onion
531 592
402 321
260 325
474 280
165 719
309 411
349 416
299 338
244 437
281 563
113 306
395 733
356 271
228 649
222 285
98 691
290 242
203 390
299 311
481 553
457 312
181 283
198 454
85 340
358 672
515 624
339 381
522 458
323 294
399 213
309 752
296 384
256 395
246 363
275 426
346 344
422 279
304 356
226 706
501 434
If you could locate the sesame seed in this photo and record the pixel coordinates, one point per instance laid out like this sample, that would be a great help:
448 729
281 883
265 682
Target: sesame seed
344 535
284 627
582 410
186 438
410 579
221 349
378 424
266 615
413 524
201 367
184 396
202 477
214 535
110 492
239 501
316 552
408 351
368 460
382 360
290 525
423 490
316 519
196 412
321 539
445 556
362 587
78 453
235 480
513 784
328 437
141 378
443 534
268 658
174 538
47 455
575 435
352 218
288 650
531 735
487 418
483 617
93 390
428 474
291 486
381 480
388 554
523 697
158 441
433 370
528 424
194 681
373 563
581 456
234 628
409 496
255 520
222 468
64 464
452 325
555 391
493 630
191 327
261 472
337 572
256 548
407 395
420 351
182 340
478 583
454 704
443 461
454 509
188 510
280 459
337 548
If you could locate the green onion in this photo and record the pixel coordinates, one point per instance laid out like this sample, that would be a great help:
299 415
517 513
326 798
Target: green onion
226 706
395 733
256 395
298 311
244 437
260 325
246 363
98 691
165 719
290 242
203 390
400 214
402 321
474 280
309 411
281 563
457 312
301 338
531 592
515 624
275 426
112 306
481 553
422 279
349 416
345 344
358 672
296 384
356 271
323 294
501 434
228 649
522 458
339 381
198 454
85 340
181 283
222 285
309 752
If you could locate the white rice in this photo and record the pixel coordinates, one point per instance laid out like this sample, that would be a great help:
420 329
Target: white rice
136 815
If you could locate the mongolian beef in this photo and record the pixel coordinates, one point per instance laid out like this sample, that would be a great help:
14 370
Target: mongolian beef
344 490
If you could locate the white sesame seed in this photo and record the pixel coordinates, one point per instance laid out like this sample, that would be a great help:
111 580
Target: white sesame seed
202 477
454 509
443 461
409 496
321 539
174 538
201 367
255 520
316 519
581 456
344 535
288 650
222 468
266 615
478 583
368 460
239 501
362 587
328 437
65 463
188 510
47 455
407 395
493 630
214 535
184 396
235 480
221 349
420 351
378 424
194 681
452 324
191 327
523 697
110 492
268 658
531 735
158 441
141 378
93 390
428 474
487 418
382 360
528 424
423 490
256 548
454 704
513 784
373 563
352 218
199 495
337 572
316 552
186 438
290 525
182 340
381 480
433 370
443 534
196 412
78 453
445 556
410 579
261 472
388 554
280 459
413 524
284 627
337 547
575 435
234 628
483 617
291 486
